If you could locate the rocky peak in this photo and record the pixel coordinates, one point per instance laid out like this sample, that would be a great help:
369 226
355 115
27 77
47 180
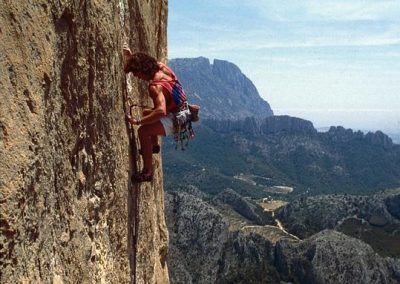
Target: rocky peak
201 64
379 138
228 72
270 125
221 89
332 257
343 135
285 123
309 215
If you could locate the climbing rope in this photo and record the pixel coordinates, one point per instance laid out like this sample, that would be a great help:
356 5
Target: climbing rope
135 187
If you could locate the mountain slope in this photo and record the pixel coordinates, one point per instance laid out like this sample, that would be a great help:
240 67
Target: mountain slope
253 157
374 219
209 246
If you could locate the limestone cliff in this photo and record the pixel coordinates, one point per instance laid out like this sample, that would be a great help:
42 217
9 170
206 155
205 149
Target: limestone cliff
66 201
221 89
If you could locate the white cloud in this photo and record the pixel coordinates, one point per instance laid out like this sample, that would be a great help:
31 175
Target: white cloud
336 10
237 44
355 10
204 36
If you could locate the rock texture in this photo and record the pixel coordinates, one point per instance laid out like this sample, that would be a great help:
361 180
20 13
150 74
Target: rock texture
332 257
206 248
340 134
248 258
246 208
221 89
307 216
66 201
198 234
209 243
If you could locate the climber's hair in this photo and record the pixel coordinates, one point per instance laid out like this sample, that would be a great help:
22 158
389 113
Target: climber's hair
142 63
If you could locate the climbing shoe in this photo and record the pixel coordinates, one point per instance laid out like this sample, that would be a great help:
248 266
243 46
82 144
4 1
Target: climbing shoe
142 177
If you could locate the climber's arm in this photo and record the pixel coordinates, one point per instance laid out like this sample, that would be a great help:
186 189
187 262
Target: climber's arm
127 55
159 110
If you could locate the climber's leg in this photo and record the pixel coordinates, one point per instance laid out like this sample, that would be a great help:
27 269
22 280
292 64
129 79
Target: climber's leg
154 138
146 132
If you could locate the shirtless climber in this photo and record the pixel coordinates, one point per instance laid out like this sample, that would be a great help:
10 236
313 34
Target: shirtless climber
168 97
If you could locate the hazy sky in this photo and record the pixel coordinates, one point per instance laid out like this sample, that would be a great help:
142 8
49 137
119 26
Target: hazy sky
333 62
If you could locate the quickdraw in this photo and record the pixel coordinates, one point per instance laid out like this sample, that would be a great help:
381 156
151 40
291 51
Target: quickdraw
183 127
132 105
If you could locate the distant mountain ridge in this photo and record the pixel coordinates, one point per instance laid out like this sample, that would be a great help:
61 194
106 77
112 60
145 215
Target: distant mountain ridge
241 143
221 89
294 125
269 125
283 150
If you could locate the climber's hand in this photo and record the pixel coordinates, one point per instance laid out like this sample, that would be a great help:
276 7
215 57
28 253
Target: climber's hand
131 120
127 52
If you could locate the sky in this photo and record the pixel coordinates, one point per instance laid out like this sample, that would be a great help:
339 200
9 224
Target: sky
332 62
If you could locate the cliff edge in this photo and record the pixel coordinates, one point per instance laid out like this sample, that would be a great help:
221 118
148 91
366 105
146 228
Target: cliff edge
66 200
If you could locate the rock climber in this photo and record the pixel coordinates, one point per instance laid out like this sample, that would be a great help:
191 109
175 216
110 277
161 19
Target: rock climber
167 95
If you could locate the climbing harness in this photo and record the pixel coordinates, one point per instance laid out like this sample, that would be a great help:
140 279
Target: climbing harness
183 114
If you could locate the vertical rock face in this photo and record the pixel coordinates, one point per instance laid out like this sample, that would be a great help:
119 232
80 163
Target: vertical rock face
64 189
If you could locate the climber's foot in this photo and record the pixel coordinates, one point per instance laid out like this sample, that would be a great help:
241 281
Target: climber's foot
156 150
142 177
